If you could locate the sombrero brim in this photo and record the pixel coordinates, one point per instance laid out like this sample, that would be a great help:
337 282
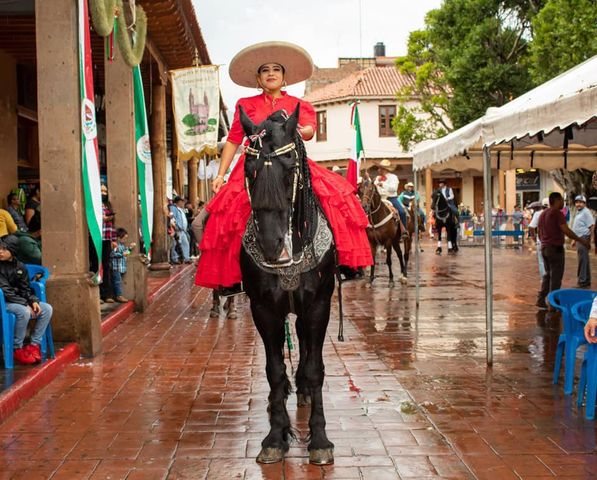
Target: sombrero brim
296 61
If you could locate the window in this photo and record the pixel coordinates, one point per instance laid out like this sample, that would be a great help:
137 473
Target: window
386 115
322 126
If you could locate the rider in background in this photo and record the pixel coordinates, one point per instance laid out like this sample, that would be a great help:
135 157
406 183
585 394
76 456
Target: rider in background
408 196
387 184
448 194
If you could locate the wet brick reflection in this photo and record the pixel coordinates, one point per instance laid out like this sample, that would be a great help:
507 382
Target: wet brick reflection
178 395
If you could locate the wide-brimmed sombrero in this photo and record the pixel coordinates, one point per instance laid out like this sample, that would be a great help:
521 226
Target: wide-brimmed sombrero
385 163
297 63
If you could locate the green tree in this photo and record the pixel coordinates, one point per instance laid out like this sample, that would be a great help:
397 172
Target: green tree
471 55
427 116
565 34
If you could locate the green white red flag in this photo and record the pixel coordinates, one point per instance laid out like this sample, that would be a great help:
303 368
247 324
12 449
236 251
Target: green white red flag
357 151
89 151
144 171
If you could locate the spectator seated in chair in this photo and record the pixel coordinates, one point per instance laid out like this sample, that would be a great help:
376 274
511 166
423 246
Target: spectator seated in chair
20 300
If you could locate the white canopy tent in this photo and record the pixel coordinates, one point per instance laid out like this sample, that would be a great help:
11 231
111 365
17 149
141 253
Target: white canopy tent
552 126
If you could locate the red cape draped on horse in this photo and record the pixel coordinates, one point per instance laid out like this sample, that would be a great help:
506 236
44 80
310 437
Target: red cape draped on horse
229 212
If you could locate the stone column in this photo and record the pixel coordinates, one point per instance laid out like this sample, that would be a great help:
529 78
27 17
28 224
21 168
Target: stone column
428 192
65 237
157 136
510 191
122 172
8 126
501 189
193 166
175 177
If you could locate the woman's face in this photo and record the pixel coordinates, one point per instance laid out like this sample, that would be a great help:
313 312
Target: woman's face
270 77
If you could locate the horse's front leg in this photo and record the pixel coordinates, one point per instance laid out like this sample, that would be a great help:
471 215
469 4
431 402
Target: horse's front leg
398 250
303 399
321 450
373 247
438 250
271 329
389 263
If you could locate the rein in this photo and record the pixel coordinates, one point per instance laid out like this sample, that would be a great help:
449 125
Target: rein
290 147
369 200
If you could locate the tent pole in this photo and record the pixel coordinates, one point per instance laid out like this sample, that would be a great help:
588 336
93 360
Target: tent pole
488 203
417 246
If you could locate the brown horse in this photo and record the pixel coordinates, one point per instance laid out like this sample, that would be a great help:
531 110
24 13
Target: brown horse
384 229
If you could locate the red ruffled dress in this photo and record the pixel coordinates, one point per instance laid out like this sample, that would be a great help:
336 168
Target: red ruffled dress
229 210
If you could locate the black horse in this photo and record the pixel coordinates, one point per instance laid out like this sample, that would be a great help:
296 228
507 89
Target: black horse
444 218
288 266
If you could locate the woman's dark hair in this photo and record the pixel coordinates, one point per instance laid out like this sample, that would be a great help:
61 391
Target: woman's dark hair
121 232
11 195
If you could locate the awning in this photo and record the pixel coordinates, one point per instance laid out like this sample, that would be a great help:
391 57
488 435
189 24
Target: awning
552 126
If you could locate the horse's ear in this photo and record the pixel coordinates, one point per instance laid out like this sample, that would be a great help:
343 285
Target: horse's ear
292 122
246 122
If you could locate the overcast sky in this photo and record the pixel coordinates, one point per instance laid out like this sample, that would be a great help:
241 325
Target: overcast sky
327 29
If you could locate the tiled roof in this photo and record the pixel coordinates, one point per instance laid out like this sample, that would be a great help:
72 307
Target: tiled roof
370 82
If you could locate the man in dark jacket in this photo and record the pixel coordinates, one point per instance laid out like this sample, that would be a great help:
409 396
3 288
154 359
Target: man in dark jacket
20 300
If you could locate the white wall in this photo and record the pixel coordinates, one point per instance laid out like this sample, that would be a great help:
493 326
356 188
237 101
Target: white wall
340 135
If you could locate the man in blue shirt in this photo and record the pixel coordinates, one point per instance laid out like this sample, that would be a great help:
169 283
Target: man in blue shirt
583 226
180 233
408 196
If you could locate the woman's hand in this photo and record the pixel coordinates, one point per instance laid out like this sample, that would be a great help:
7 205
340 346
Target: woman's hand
217 183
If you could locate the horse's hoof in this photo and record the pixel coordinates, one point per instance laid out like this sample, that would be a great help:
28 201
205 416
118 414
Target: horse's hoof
213 313
403 280
368 285
321 456
391 284
303 400
270 455
232 315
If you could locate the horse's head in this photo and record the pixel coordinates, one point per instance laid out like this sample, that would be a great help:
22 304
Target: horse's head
369 195
271 171
436 198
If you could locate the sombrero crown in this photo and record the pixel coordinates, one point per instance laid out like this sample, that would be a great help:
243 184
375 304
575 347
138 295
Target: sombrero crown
297 63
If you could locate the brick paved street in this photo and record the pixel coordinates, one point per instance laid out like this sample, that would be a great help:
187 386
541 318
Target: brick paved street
178 395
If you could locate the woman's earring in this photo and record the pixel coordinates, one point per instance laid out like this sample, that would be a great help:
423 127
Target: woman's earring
259 87
284 85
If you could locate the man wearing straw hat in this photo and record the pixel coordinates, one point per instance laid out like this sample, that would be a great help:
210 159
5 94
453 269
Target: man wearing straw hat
387 183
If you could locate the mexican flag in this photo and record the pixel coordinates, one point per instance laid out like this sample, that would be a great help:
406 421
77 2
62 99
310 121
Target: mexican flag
357 152
89 151
144 171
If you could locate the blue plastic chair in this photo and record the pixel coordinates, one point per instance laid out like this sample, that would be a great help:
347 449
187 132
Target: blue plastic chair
38 275
588 372
7 332
573 335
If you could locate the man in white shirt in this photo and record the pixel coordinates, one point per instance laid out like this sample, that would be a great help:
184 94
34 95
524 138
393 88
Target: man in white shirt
533 228
583 226
387 184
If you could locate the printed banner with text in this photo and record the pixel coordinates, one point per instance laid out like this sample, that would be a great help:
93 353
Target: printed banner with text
196 102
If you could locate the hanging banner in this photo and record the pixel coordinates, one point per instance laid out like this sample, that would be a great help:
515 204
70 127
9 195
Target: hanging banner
144 170
89 150
196 105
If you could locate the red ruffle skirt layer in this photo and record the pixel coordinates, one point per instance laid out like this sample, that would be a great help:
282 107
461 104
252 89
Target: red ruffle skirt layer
229 212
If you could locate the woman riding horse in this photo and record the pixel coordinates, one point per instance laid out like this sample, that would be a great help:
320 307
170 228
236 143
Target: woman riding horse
273 173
